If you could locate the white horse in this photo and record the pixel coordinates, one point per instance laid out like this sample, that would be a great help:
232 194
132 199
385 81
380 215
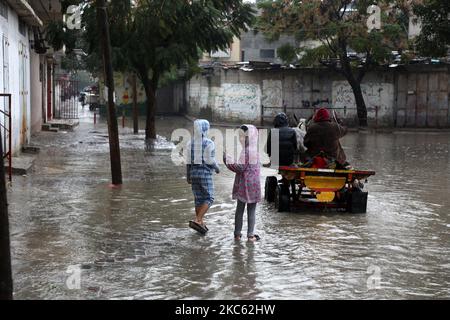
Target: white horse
300 132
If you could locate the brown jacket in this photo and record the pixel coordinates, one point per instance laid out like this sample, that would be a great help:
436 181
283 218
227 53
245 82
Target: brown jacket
324 136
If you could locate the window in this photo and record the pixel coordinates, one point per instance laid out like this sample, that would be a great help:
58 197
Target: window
22 28
267 53
4 9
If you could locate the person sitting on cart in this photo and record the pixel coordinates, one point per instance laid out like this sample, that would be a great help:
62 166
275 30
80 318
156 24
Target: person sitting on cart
322 138
287 141
287 146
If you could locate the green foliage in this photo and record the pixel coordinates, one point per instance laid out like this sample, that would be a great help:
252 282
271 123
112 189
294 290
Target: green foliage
71 62
155 39
312 56
338 27
179 74
338 35
152 37
434 38
57 36
287 53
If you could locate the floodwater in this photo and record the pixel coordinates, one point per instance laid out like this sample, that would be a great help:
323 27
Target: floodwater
134 242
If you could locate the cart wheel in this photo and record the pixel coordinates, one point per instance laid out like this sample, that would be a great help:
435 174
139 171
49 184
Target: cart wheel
282 198
270 189
357 202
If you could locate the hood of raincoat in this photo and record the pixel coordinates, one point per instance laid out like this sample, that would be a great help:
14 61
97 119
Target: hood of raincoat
201 126
322 115
249 140
281 120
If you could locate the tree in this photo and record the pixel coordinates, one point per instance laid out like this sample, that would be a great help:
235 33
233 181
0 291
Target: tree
339 27
287 53
150 38
434 37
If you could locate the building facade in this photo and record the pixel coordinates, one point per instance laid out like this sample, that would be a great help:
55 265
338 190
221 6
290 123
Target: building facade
26 72
251 46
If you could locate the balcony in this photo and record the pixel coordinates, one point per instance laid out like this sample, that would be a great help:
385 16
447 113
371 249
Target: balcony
46 10
26 12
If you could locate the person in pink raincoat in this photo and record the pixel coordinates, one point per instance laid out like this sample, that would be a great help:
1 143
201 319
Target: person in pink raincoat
247 185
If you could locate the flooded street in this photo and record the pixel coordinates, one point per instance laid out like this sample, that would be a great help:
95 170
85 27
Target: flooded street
134 242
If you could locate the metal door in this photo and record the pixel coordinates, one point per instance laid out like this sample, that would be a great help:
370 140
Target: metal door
66 103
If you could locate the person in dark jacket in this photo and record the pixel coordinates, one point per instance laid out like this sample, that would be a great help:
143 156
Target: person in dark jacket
323 135
287 140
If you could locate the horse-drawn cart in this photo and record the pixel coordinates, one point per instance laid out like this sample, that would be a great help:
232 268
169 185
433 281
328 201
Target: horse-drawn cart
309 188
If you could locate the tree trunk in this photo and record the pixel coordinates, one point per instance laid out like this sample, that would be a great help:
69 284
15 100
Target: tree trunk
6 284
355 82
360 103
150 92
113 130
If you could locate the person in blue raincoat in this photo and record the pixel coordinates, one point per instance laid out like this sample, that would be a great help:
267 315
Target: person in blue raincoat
201 165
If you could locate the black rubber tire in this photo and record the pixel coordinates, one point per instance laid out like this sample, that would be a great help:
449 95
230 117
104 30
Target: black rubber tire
357 202
282 198
270 188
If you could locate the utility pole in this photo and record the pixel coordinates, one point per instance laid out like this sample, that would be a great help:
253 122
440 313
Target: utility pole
135 107
113 130
6 284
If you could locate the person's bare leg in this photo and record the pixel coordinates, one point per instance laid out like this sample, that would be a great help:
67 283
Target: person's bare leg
201 213
197 210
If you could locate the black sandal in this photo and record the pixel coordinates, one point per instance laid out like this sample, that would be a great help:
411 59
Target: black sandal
255 236
198 227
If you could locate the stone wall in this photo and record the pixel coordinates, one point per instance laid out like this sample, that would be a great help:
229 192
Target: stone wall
256 96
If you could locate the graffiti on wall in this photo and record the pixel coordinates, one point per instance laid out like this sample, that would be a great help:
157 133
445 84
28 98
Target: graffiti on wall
241 100
272 96
342 94
376 94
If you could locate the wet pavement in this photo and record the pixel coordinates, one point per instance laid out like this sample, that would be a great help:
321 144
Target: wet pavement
134 242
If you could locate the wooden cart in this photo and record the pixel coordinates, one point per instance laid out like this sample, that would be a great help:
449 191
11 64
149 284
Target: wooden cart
310 188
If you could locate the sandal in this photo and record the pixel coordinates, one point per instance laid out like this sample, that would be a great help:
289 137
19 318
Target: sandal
202 229
255 237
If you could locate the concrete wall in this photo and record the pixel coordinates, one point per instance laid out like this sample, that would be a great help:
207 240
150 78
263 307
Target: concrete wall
227 95
379 95
422 96
238 96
